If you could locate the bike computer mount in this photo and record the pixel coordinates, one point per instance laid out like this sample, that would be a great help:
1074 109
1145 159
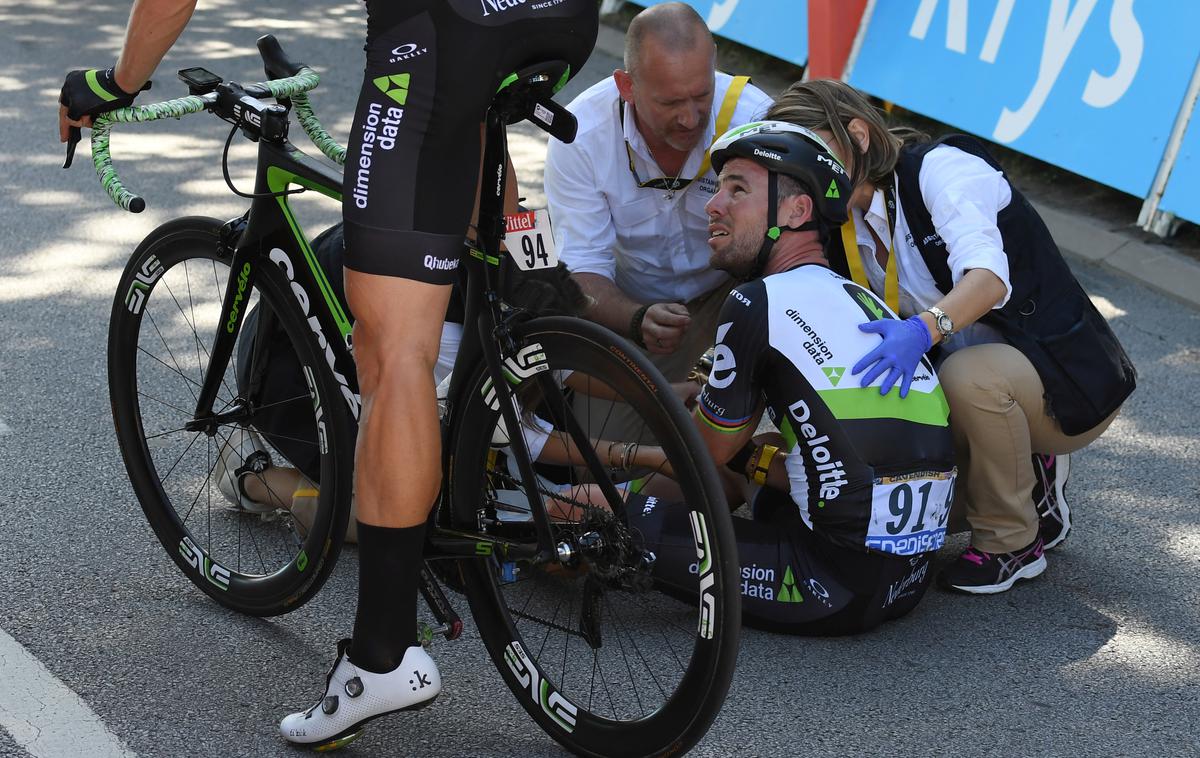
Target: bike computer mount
200 81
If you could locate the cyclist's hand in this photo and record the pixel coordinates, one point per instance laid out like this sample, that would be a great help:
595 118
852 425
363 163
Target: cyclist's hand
687 392
664 326
87 93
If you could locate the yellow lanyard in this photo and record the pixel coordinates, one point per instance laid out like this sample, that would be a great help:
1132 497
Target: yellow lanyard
891 275
724 117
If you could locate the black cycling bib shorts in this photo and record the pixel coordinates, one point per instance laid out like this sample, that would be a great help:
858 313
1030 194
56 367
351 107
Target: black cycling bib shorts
792 580
412 166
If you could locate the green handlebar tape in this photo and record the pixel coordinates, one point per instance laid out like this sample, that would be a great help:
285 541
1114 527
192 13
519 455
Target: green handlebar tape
291 87
312 127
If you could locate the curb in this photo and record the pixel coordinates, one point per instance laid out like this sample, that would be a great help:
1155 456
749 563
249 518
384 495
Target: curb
1078 237
1155 266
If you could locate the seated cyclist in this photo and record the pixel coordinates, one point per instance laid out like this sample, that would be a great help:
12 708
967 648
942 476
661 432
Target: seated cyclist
856 500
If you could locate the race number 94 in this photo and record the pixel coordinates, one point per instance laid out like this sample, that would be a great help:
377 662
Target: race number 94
529 238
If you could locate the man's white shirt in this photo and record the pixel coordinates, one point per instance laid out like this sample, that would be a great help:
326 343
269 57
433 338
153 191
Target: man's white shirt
653 246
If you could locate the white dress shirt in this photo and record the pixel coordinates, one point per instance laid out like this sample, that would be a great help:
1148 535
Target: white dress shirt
964 195
653 246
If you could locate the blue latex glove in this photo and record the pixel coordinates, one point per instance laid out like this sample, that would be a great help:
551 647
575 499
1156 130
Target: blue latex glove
904 342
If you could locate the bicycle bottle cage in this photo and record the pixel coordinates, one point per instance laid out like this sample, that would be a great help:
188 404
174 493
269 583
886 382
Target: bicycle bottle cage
529 94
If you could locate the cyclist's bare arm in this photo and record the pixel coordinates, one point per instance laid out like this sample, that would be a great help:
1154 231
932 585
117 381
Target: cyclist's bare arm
153 27
724 445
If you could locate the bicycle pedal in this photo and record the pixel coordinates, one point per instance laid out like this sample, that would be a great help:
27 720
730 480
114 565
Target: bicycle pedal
426 633
339 742
508 572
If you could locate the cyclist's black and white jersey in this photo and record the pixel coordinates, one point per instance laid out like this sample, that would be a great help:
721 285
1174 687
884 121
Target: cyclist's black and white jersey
867 471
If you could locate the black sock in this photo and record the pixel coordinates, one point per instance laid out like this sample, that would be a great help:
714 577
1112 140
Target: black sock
386 622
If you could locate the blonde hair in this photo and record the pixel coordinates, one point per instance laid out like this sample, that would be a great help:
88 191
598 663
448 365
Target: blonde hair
831 105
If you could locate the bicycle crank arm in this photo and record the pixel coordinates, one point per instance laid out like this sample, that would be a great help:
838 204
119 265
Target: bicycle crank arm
451 625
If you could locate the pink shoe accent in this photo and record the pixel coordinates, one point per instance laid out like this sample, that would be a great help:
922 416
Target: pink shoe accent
975 556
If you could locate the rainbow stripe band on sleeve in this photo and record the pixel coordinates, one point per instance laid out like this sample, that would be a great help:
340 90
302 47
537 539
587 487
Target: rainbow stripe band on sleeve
724 426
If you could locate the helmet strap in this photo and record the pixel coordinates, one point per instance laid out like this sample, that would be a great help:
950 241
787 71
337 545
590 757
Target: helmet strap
774 230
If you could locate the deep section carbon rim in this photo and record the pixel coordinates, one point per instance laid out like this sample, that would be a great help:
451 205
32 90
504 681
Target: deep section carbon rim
607 659
266 558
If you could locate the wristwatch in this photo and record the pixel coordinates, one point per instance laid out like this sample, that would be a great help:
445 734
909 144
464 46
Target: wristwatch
942 321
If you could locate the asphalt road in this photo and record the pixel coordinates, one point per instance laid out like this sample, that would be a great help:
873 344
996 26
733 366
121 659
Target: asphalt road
1101 656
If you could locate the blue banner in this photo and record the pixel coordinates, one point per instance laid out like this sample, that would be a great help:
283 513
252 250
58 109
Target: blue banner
776 27
1092 86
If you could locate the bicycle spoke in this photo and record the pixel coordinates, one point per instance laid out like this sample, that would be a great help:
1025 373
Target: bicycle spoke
638 651
178 369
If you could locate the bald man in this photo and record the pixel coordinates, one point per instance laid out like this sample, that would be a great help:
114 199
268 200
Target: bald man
628 195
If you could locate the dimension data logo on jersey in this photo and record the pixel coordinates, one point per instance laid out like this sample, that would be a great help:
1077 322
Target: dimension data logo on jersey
379 130
406 52
814 345
758 581
788 591
394 86
833 374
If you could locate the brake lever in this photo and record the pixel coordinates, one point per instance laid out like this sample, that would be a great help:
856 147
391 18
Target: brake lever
73 137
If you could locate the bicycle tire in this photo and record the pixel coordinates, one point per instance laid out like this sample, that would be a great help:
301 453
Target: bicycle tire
586 717
163 321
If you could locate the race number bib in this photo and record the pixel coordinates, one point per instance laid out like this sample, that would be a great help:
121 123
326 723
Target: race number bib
909 513
530 240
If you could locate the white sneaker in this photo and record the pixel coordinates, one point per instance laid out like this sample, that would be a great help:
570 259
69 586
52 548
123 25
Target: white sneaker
354 696
244 453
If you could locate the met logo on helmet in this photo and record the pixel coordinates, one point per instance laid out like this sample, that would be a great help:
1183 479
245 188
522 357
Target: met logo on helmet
832 164
767 154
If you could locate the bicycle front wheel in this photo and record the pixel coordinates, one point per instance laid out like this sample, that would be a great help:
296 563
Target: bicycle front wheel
602 655
254 556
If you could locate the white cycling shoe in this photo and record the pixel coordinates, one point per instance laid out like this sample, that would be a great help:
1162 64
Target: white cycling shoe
243 454
354 696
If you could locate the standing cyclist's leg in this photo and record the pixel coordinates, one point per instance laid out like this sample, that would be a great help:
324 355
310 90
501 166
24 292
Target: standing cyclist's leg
411 175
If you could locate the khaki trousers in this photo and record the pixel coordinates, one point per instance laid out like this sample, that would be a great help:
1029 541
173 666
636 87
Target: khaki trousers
617 421
999 418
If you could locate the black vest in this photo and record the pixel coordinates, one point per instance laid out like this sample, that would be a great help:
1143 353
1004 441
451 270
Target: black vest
1049 318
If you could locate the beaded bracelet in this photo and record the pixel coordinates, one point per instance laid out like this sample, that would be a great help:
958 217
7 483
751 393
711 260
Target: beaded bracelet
635 326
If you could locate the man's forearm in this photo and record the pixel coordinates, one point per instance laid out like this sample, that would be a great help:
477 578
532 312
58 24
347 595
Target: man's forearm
154 25
609 305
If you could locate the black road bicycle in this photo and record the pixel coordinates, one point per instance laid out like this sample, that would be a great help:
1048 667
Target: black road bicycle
603 657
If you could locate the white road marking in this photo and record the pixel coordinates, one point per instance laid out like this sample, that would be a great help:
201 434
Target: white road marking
43 715
4 428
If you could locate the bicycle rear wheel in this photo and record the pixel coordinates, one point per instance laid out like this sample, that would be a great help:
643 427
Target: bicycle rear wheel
264 561
604 658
